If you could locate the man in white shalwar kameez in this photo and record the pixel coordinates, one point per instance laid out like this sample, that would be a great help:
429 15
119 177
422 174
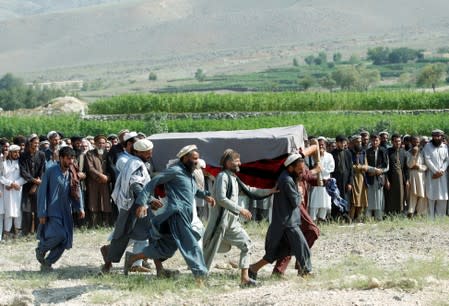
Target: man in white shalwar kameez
417 172
320 201
436 158
12 195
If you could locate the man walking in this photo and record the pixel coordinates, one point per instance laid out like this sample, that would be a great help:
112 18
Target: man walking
57 194
284 236
172 229
224 228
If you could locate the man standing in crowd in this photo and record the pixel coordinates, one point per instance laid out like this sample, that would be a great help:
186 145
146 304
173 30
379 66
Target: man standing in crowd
224 228
172 229
51 153
417 172
284 236
397 177
384 140
359 199
343 172
32 167
98 176
56 196
12 193
375 178
365 139
320 201
436 158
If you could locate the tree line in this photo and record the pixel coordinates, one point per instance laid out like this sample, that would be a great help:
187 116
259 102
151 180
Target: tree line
15 94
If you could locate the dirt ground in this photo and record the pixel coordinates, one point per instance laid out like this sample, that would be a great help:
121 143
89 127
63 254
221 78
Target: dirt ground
397 262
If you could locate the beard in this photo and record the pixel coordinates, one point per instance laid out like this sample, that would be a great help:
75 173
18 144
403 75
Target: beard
436 142
100 151
191 165
358 148
235 169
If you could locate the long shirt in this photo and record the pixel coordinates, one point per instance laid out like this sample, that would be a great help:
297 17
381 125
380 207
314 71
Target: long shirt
54 200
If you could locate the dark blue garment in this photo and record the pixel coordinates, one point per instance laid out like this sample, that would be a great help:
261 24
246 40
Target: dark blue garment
55 202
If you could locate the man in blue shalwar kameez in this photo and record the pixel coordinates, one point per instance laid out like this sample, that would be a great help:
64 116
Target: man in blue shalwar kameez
58 193
172 229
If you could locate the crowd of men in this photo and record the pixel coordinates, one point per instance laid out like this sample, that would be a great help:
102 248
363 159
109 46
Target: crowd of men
380 176
50 184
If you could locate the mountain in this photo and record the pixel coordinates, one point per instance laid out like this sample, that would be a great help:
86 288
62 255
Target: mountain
222 35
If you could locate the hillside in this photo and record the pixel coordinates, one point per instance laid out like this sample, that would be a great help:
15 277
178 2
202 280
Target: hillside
178 36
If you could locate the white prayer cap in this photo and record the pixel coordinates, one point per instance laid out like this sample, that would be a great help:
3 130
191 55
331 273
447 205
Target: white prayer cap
44 142
384 133
186 150
321 138
143 145
129 135
292 158
13 148
52 134
437 132
201 163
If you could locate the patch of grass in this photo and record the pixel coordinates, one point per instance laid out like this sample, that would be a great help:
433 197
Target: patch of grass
28 279
104 297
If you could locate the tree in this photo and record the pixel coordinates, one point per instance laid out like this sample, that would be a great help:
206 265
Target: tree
15 94
309 59
378 55
367 77
200 75
152 76
355 77
306 82
321 58
402 55
354 59
430 75
295 62
337 57
8 81
327 82
346 77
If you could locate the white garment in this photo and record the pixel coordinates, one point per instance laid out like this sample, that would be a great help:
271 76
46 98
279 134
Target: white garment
318 195
11 198
436 159
417 176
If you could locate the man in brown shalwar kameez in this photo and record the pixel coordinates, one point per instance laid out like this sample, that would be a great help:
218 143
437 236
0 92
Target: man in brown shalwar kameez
359 198
98 194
